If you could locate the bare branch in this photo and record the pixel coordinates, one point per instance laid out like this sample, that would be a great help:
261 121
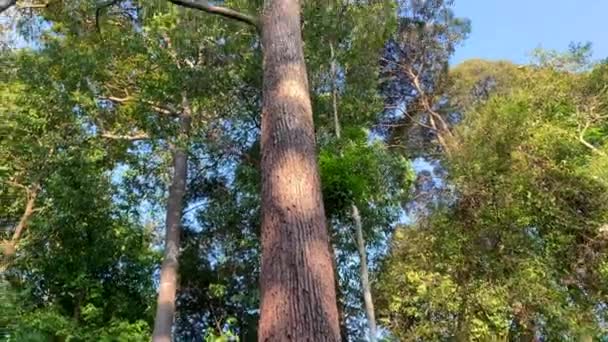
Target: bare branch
6 4
411 117
101 6
205 6
581 138
18 185
162 109
118 99
23 6
427 104
126 137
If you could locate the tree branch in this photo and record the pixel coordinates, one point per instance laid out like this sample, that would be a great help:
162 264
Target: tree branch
155 106
134 137
118 99
6 4
205 6
101 6
43 5
32 194
581 138
405 112
18 185
162 109
427 104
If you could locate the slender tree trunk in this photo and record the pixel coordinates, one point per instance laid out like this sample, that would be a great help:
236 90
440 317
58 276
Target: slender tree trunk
165 309
334 89
297 281
334 94
365 285
339 295
529 333
462 329
363 270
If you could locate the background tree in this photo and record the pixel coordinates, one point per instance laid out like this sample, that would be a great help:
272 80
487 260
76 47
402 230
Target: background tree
516 255
414 72
83 268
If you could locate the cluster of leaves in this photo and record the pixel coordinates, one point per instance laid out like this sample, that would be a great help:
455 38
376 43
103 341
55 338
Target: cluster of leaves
356 171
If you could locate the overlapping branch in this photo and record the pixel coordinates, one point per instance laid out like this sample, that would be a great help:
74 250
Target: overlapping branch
205 6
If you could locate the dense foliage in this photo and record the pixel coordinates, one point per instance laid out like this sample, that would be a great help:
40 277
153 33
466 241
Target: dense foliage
522 249
482 188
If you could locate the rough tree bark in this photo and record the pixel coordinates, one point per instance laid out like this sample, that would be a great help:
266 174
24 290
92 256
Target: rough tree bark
297 281
165 309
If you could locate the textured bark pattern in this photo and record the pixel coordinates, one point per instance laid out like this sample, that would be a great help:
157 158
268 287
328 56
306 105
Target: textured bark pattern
165 309
365 285
297 280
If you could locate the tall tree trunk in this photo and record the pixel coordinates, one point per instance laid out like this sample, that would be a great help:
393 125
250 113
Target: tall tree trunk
165 309
297 281
365 285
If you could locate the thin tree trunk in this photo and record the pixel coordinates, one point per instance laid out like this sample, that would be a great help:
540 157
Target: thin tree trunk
529 333
334 89
462 329
297 281
363 270
334 93
165 309
339 296
365 285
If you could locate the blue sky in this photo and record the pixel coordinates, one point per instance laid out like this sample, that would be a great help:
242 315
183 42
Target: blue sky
510 29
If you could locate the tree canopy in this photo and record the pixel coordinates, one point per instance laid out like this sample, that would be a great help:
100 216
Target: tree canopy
462 203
